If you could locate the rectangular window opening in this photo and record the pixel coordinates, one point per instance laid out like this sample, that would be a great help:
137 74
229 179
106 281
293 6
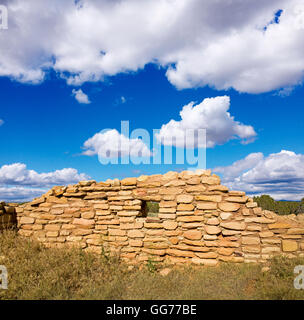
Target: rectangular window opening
149 209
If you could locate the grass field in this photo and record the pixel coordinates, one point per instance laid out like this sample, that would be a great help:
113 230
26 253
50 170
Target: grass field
35 272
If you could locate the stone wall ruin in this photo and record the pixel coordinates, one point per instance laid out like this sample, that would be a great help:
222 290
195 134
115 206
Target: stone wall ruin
199 220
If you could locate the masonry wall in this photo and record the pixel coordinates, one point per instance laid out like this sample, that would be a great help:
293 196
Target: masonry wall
8 218
199 220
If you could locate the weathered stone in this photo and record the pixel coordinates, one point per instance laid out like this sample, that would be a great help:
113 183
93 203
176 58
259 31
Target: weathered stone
128 181
135 243
195 188
167 210
84 222
117 232
175 183
210 198
254 228
229 206
170 191
206 255
88 215
250 240
185 207
225 251
193 235
194 181
170 225
212 230
270 249
279 225
167 204
206 262
251 204
259 220
135 234
234 225
153 225
189 218
211 180
289 245
218 188
170 216
180 253
206 205
266 234
27 220
213 221
184 198
296 231
225 215
209 237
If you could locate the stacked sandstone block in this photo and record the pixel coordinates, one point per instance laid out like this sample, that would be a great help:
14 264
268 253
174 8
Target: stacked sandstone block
199 220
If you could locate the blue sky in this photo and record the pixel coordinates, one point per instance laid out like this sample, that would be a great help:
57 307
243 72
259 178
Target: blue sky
45 127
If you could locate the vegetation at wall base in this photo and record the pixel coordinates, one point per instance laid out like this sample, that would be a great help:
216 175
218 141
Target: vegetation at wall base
36 272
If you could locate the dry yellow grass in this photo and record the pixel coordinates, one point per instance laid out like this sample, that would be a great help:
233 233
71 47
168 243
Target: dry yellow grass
36 272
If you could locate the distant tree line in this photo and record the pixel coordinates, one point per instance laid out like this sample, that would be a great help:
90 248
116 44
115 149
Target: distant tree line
280 207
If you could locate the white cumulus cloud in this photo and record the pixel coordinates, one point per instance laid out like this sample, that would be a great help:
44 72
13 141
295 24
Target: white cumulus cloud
20 194
211 114
19 183
80 96
224 44
280 175
112 144
1 122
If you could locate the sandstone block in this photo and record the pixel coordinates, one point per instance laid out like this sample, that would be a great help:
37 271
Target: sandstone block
170 216
185 207
225 215
135 243
167 210
213 230
117 232
213 221
170 225
210 198
184 198
129 182
237 199
167 204
229 206
218 188
190 218
135 234
180 253
193 235
250 240
239 226
27 220
295 231
251 204
225 251
211 180
206 262
88 215
207 255
206 205
52 227
279 225
289 245
84 222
